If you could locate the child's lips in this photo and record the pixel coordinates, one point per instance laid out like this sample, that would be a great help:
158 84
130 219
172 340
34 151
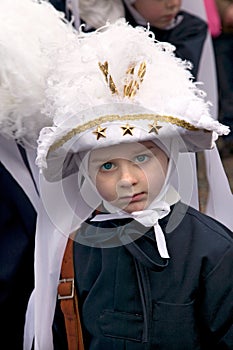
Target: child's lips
134 197
138 197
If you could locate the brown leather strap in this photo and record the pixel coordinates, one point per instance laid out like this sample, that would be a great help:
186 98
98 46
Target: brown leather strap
69 300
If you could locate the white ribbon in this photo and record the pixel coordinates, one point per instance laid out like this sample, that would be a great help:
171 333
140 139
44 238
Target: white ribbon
147 218
220 198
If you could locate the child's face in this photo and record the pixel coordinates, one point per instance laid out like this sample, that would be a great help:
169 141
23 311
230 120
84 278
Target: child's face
129 176
159 13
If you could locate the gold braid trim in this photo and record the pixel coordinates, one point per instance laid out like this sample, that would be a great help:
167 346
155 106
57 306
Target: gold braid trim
110 118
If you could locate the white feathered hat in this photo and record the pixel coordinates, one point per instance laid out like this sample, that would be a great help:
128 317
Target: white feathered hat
119 85
30 30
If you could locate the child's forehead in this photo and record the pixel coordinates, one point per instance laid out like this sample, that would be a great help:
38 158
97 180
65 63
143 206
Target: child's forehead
122 150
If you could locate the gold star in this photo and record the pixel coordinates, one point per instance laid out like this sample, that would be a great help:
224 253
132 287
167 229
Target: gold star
154 127
99 132
127 129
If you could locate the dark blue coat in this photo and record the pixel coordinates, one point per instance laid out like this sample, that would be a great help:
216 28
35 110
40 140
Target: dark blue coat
132 299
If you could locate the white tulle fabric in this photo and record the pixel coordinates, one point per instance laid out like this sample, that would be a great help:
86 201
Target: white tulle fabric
50 244
220 198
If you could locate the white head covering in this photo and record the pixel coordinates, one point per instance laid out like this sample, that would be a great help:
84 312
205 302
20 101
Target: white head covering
220 199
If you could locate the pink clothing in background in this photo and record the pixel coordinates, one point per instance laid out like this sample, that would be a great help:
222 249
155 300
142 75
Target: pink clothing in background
213 18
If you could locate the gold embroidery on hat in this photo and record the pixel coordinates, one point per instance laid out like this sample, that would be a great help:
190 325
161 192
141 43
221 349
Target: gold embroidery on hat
154 127
131 88
110 118
133 83
127 129
108 78
99 132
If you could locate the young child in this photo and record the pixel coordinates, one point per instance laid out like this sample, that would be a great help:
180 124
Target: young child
150 271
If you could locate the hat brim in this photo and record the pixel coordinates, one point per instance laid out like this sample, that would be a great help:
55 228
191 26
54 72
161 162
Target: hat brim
110 130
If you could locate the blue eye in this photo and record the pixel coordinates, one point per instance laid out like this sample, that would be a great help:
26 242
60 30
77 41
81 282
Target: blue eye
141 158
107 166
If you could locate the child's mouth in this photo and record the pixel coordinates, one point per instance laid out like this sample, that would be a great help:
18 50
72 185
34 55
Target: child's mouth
134 197
137 197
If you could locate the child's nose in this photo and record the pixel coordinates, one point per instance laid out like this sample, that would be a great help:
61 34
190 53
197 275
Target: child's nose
128 175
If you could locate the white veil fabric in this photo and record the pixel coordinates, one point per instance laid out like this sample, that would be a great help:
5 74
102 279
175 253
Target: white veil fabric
220 198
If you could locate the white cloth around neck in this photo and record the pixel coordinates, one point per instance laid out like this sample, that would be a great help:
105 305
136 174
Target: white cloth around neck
148 218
